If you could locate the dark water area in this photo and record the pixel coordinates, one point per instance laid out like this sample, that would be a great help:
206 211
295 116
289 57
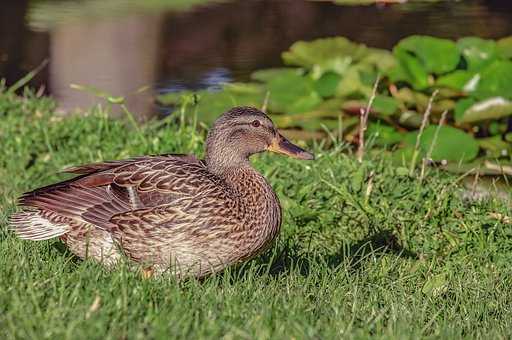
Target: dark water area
168 50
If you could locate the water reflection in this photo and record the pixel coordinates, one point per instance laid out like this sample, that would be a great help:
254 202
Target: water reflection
211 44
116 56
21 49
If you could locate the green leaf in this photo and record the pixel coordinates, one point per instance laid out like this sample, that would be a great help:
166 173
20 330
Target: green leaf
452 144
384 135
267 75
496 81
492 108
504 47
411 119
322 51
327 84
435 55
244 88
336 65
403 156
383 60
352 84
410 97
477 52
409 69
385 105
292 93
459 80
461 107
443 105
495 146
305 103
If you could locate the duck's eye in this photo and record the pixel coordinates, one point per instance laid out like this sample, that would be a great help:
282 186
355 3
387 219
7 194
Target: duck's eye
256 123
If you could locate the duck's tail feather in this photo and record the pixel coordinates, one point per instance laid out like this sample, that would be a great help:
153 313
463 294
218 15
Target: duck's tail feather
34 224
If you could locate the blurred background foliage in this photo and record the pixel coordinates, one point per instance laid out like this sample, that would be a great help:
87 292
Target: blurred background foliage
315 89
330 80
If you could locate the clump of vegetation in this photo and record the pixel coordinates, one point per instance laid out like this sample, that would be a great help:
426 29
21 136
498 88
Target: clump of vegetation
44 15
331 80
365 249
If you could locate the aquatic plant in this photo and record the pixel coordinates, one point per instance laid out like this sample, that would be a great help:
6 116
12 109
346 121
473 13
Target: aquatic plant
327 82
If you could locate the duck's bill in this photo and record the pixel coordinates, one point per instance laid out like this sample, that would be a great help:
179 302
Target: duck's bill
283 146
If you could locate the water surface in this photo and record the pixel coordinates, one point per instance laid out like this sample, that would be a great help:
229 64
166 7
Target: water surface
123 48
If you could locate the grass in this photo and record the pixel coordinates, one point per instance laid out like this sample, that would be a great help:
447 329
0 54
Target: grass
365 249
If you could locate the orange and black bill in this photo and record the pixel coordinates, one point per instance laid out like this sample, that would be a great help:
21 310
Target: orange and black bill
283 146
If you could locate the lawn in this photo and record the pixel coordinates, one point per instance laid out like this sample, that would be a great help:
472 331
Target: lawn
365 250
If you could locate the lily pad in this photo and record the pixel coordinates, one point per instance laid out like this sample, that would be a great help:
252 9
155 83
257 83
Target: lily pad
410 119
442 105
410 97
292 93
268 74
436 55
336 65
384 135
328 108
409 69
461 80
492 108
327 84
244 88
352 83
329 54
383 60
461 107
452 144
403 156
385 105
504 47
496 81
495 146
477 52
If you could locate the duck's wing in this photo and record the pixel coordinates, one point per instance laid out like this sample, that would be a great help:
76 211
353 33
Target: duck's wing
188 230
103 190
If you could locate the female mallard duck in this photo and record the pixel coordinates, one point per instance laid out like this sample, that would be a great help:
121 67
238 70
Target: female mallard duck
170 211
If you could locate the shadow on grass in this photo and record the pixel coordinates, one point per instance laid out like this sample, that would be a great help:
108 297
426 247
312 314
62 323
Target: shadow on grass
286 258
352 256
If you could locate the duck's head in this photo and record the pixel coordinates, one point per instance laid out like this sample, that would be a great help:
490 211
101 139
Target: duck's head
242 132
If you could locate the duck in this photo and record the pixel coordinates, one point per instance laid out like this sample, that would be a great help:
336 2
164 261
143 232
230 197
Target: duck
169 213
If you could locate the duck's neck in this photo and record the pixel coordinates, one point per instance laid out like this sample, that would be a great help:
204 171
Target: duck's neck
226 165
222 157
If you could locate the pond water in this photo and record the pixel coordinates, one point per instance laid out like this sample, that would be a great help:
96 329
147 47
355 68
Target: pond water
122 46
